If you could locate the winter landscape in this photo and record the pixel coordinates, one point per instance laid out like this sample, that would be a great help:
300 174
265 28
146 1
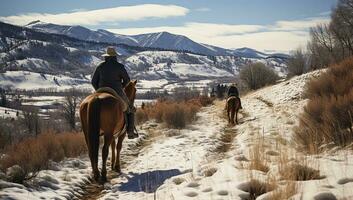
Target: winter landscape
291 137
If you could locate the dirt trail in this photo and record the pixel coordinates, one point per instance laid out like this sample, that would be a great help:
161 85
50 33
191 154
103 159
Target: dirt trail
178 152
95 190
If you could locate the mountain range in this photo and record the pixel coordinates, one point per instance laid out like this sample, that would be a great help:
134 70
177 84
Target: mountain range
163 40
41 55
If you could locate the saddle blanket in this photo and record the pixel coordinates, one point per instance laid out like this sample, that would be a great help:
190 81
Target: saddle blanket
115 94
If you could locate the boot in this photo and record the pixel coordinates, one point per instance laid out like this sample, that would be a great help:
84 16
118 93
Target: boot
130 119
240 107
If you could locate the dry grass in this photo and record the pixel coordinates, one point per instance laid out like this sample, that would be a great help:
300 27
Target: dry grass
297 168
284 192
33 154
257 158
174 114
327 118
299 172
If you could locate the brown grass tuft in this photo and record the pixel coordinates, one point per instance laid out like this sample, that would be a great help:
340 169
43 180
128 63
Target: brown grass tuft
258 159
175 114
327 118
297 172
33 154
284 192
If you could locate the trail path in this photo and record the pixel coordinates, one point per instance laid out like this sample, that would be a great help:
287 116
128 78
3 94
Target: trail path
173 153
208 159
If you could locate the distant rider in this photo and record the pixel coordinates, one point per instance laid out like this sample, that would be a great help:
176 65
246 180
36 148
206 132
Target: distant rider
233 91
112 74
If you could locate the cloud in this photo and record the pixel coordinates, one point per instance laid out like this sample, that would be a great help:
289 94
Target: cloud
282 36
300 24
95 17
326 13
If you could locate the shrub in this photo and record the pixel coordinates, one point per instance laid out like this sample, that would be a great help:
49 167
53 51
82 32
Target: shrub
257 75
34 154
327 117
175 114
298 63
141 116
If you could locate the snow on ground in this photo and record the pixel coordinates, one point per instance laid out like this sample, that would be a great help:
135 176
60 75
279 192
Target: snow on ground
174 153
185 164
138 102
150 84
33 63
191 169
8 112
30 81
63 180
187 70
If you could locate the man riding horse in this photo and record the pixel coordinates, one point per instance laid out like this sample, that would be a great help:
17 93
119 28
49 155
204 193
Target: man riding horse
233 92
233 104
112 74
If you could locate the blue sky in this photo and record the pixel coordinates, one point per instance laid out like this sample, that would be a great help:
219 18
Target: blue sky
278 25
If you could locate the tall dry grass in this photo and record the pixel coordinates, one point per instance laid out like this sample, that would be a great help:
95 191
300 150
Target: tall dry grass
34 154
327 119
175 114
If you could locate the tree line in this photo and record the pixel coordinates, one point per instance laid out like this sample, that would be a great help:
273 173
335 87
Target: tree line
329 42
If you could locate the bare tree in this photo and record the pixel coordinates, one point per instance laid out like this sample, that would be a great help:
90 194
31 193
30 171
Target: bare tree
342 26
72 100
298 63
333 42
257 75
31 120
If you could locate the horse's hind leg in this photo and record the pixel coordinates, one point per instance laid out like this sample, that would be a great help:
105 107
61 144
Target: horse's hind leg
118 150
236 117
112 147
105 151
232 116
228 114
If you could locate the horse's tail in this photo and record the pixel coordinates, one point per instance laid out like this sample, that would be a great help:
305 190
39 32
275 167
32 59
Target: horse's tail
94 127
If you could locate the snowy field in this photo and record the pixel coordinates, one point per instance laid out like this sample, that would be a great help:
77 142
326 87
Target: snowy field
25 80
201 162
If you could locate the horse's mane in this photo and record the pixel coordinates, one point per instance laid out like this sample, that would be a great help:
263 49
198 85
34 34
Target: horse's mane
129 87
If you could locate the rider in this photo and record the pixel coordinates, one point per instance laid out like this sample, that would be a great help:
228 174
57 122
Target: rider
112 74
233 91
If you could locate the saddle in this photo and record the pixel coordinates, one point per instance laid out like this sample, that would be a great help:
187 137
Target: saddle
231 97
114 94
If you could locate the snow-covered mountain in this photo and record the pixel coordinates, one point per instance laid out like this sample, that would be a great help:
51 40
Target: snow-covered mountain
162 40
83 33
62 61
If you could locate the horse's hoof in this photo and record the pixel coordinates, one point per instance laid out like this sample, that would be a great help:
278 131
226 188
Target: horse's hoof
103 179
117 169
96 177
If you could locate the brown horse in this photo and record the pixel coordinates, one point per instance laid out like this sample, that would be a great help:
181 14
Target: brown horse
102 114
233 106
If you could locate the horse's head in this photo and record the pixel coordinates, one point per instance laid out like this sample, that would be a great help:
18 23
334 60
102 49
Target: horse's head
130 90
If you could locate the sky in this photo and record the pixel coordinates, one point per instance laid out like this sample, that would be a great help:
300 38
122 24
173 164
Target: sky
265 25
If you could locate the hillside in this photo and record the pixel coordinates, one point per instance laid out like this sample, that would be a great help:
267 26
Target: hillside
46 53
211 160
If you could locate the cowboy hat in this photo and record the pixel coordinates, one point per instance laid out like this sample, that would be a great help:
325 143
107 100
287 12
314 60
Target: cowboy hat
110 52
